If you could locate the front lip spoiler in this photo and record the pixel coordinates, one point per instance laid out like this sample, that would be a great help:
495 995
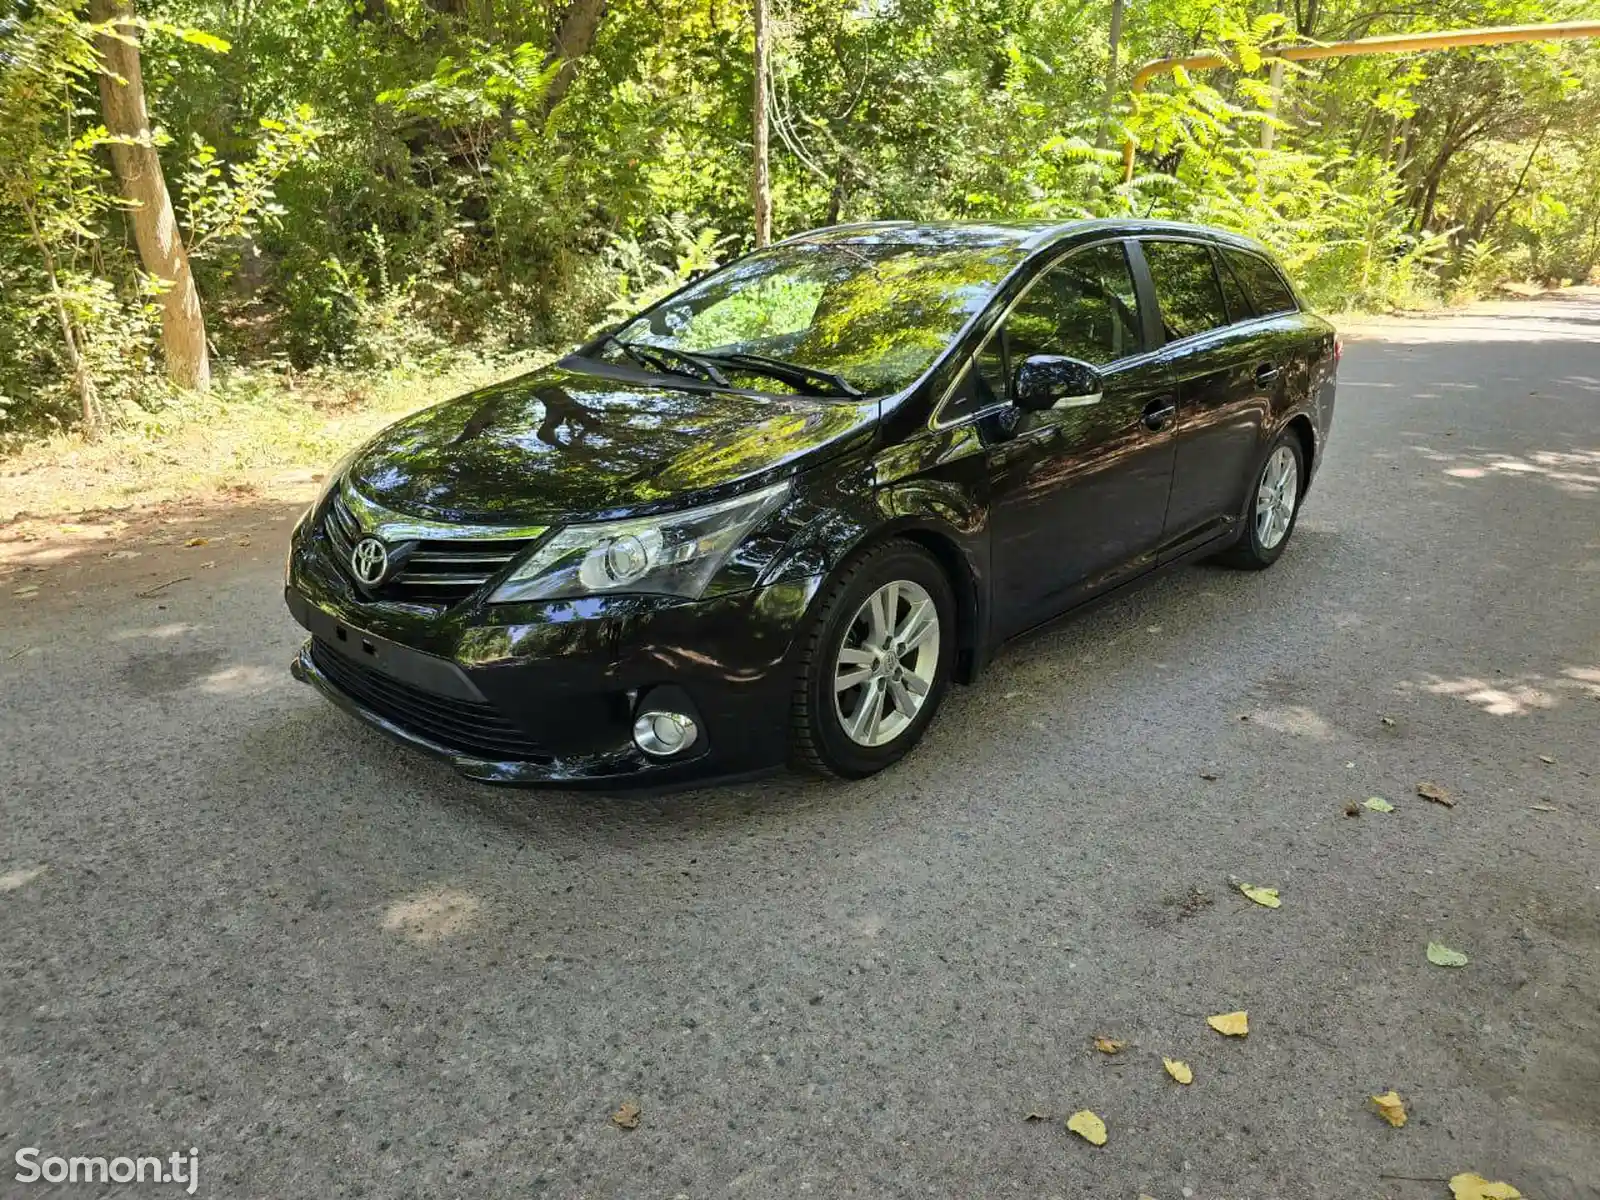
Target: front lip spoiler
616 771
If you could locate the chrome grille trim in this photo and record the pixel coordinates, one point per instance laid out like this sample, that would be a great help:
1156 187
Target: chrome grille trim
443 565
395 527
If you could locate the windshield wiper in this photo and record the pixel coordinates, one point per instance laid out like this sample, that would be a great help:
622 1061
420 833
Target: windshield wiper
660 358
790 372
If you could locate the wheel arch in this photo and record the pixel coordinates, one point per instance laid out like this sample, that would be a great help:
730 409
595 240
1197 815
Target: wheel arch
844 541
1300 426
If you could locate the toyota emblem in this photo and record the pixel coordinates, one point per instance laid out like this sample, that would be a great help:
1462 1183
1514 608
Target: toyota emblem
369 562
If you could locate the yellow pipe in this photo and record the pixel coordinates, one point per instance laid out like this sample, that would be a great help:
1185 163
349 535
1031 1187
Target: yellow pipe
1395 43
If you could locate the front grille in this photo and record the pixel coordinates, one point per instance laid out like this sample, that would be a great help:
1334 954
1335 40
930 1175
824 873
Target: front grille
463 725
437 571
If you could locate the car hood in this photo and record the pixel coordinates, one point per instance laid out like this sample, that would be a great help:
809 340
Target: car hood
561 444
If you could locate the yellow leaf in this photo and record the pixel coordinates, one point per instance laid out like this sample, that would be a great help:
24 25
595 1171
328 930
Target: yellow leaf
197 541
1108 1045
1468 1186
1390 1108
1234 1024
1266 897
627 1117
1088 1126
1178 1070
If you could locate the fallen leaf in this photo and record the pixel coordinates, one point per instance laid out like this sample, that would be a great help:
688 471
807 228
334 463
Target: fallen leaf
1037 1116
1377 804
1543 807
122 554
1088 1126
1468 1186
197 541
25 593
1441 955
627 1117
1391 1108
1545 758
1387 720
1211 776
1234 1024
1432 791
206 566
1178 1070
1352 809
11 881
1108 1045
1266 897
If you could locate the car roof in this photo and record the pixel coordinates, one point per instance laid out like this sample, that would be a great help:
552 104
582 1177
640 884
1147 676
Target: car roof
1024 235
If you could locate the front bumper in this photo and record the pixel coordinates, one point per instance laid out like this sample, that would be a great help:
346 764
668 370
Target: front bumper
550 697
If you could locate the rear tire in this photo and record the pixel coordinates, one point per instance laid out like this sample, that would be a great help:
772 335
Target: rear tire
1272 508
875 664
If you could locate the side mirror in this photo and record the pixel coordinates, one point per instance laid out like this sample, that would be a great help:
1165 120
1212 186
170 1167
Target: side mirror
1052 381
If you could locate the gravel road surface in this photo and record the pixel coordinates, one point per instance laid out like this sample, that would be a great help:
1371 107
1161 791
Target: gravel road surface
233 919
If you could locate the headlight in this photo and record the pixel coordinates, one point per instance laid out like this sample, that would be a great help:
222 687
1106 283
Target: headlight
675 554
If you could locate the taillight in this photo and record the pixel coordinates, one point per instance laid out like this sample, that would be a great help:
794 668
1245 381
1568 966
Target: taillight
1338 348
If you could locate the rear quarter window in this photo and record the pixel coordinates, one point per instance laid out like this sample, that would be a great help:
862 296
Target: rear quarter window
1261 279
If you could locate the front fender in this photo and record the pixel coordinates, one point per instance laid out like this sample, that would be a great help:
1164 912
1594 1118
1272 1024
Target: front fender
891 498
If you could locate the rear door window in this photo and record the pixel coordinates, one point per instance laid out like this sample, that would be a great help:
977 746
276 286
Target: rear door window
1186 288
1261 279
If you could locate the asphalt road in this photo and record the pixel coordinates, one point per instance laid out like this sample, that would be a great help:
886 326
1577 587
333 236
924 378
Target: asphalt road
233 919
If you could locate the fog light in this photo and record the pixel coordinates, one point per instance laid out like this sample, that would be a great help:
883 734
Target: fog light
663 734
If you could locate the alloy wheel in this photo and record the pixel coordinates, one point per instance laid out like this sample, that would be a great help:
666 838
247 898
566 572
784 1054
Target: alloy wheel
1275 499
886 663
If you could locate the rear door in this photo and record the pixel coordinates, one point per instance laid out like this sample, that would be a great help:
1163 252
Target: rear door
1226 370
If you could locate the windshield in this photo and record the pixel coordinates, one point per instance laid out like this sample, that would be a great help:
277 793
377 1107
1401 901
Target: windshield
874 314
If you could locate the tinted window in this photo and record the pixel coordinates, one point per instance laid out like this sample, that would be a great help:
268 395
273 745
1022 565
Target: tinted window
1084 308
1238 303
989 373
1186 287
1262 281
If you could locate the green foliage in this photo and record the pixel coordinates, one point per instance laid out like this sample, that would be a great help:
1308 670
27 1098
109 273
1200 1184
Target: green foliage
368 182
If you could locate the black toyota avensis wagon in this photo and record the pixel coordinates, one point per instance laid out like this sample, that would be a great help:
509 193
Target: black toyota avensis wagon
772 517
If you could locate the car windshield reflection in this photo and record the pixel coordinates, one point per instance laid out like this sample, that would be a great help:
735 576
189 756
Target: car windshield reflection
872 314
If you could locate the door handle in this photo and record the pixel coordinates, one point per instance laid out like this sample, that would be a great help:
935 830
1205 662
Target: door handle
1158 414
1266 373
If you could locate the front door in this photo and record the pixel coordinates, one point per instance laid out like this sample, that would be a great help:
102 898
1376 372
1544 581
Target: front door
1079 492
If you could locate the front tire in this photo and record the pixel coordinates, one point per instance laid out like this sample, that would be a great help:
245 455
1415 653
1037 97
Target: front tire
875 666
1273 508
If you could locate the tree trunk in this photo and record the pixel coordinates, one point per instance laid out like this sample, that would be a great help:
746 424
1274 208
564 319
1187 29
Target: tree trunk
1430 191
1269 133
573 38
81 378
155 226
1308 23
1114 45
760 184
